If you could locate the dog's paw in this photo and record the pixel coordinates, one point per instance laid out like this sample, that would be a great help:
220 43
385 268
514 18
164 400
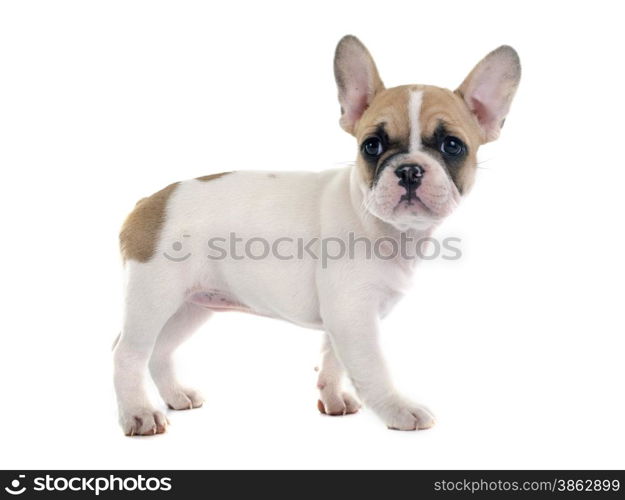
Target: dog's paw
338 404
180 398
402 415
143 422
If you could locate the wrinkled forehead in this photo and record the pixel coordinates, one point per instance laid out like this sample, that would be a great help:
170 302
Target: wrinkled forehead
418 110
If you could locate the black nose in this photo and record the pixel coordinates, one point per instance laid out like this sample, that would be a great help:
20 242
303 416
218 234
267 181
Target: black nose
410 175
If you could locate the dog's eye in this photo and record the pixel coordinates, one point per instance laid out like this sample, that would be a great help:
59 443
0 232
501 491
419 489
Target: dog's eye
452 146
373 147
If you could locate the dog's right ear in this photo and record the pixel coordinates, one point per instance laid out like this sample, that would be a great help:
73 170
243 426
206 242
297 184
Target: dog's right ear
356 78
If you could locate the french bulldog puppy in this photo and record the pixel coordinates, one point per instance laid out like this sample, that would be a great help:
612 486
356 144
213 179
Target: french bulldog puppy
416 158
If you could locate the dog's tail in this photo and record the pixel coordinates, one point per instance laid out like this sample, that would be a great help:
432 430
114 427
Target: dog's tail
116 341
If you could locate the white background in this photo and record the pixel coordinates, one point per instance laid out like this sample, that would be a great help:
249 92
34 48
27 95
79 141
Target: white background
517 347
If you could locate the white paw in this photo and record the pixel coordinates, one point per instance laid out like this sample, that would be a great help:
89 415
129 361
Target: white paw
337 403
180 398
143 422
400 414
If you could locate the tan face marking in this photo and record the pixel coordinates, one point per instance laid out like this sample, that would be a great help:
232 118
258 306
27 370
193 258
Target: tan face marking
393 108
141 230
390 109
418 143
444 107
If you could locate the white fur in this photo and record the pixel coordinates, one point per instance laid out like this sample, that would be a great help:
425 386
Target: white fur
345 300
330 383
178 288
414 110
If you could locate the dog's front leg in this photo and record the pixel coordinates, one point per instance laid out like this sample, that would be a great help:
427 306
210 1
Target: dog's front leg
353 329
333 400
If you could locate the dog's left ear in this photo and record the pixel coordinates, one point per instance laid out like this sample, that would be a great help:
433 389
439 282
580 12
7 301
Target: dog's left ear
490 87
357 79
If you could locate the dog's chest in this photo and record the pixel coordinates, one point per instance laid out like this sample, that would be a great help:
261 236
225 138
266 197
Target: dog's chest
388 301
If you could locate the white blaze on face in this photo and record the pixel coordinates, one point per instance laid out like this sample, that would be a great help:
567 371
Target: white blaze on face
414 111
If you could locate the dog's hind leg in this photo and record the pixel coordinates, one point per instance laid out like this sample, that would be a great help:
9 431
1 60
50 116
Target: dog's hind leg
332 399
148 308
177 329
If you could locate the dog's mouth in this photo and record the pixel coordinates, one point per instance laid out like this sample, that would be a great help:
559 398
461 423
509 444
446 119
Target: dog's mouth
409 197
410 201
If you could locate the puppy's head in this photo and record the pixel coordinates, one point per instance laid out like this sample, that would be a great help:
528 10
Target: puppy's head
418 143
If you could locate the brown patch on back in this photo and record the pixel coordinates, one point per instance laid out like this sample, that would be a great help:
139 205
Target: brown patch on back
141 230
211 177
